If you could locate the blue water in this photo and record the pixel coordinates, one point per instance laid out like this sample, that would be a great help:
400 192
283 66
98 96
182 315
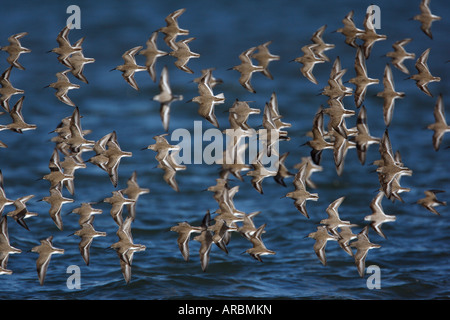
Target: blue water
413 260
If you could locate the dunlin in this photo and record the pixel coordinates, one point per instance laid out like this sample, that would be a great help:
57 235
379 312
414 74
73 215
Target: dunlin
152 53
322 46
233 160
270 135
4 201
54 162
165 98
272 118
162 147
170 168
309 60
77 61
439 126
397 189
389 95
62 134
108 156
45 250
133 191
130 67
229 214
259 249
63 129
369 36
426 18
430 201
259 173
247 68
341 147
212 81
76 142
5 247
207 100
125 248
226 203
69 165
311 167
318 143
184 231
274 109
65 48
363 139
300 194
170 161
226 197
337 114
7 90
56 201
335 88
390 169
362 245
62 87
15 49
221 233
206 241
350 31
378 217
86 212
334 221
248 229
282 171
222 190
264 57
219 189
18 123
423 76
117 201
345 236
183 54
239 113
172 29
56 177
322 237
114 154
87 233
399 55
21 212
361 80
100 159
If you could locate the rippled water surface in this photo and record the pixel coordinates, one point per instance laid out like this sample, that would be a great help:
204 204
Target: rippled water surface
413 260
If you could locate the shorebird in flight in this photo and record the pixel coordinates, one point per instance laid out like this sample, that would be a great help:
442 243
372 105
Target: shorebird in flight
426 18
439 126
15 49
130 67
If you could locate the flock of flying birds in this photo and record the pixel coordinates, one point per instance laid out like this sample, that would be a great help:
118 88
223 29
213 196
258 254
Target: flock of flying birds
70 142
